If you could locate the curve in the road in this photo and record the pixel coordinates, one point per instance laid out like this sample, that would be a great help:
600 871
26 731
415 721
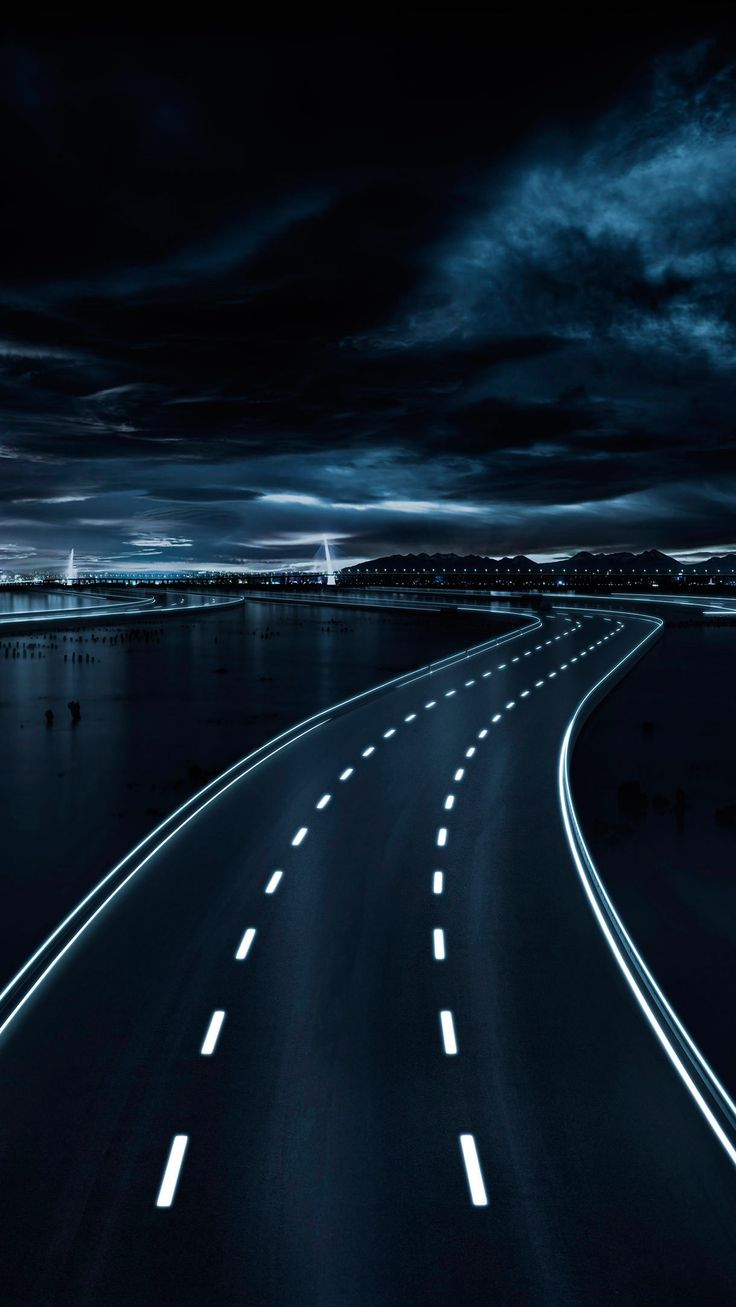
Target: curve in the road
39 966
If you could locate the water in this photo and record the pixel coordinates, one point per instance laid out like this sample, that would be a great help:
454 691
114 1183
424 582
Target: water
14 603
164 707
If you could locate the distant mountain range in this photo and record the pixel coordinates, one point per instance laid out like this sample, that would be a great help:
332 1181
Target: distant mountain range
650 562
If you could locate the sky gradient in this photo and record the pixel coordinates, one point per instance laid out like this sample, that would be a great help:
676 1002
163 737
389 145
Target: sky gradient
408 289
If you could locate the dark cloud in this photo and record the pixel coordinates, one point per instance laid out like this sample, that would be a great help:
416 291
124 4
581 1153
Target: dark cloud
406 289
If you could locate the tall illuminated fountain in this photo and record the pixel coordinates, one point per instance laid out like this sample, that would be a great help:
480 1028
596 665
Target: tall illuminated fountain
330 568
70 574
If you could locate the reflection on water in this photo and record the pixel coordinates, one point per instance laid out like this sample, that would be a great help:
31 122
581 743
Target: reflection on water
19 603
163 707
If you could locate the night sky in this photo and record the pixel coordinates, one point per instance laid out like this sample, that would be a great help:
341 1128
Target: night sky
436 286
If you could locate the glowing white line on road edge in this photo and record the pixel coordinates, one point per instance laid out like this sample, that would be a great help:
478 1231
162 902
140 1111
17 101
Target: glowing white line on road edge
273 883
442 837
438 882
299 836
438 942
213 1033
245 943
448 1033
588 876
220 786
171 1170
478 1195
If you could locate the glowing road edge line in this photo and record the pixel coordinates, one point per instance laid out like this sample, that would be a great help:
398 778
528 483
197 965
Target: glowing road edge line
172 1170
289 736
139 866
478 1195
588 876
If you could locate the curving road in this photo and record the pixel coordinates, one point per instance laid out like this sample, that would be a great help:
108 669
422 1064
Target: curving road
347 1031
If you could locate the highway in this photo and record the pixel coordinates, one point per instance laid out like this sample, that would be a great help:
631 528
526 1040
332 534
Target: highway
358 1026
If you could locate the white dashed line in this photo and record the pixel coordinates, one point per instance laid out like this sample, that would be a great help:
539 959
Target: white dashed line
459 774
482 734
469 752
438 882
411 717
172 1170
367 752
523 694
324 801
497 718
511 704
468 683
447 1025
213 1033
345 775
273 883
442 837
431 703
438 941
387 734
245 943
478 1195
449 693
501 666
299 836
485 674
449 802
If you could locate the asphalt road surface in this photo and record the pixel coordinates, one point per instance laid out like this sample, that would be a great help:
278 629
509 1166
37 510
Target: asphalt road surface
353 1035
